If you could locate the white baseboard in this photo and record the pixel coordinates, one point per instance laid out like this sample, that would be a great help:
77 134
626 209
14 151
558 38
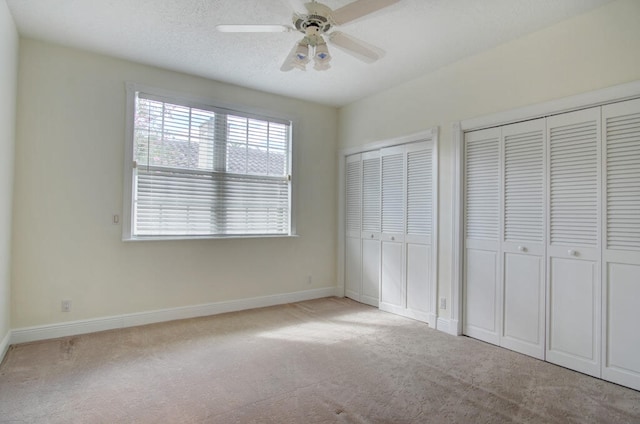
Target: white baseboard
433 320
72 328
4 345
442 325
455 328
408 313
449 326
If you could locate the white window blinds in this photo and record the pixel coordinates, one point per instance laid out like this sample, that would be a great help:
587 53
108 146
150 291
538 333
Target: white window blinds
207 171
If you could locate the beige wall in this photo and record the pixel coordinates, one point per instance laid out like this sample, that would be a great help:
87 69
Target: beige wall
592 51
69 154
69 183
8 78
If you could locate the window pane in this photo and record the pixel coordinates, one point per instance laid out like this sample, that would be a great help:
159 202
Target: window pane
175 136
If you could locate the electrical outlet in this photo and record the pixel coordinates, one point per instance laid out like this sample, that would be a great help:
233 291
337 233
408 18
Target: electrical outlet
309 279
443 303
66 306
116 219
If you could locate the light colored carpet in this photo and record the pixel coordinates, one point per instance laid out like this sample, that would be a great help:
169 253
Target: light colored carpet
322 361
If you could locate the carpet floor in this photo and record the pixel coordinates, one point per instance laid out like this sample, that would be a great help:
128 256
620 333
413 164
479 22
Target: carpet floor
323 361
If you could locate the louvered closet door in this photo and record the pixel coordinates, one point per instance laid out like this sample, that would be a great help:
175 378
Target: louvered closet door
353 213
392 290
574 241
482 234
418 242
523 245
621 311
370 228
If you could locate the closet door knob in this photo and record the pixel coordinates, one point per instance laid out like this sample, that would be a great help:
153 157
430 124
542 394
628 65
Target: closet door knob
392 238
572 252
371 235
522 249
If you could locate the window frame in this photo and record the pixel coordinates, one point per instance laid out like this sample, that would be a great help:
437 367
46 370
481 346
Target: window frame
131 89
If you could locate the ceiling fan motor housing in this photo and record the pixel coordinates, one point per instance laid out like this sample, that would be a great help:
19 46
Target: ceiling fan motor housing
303 22
319 16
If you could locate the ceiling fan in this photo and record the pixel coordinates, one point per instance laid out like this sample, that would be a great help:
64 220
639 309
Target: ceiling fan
315 21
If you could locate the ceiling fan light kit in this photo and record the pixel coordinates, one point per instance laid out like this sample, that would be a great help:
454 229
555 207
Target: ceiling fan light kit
312 40
318 22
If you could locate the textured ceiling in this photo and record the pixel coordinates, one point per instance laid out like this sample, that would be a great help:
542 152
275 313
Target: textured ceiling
418 36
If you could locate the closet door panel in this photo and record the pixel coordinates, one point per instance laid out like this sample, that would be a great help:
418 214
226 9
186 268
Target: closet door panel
523 243
573 314
418 274
523 313
393 192
371 221
482 235
480 295
370 271
353 213
574 249
621 347
353 268
419 228
392 288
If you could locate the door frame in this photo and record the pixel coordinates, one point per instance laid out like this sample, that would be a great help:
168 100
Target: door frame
596 98
430 134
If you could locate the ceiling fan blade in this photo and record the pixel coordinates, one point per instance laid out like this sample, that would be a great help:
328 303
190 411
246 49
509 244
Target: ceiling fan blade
359 8
356 48
315 8
253 28
290 62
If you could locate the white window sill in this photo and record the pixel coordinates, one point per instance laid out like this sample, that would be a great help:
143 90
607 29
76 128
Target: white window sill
220 237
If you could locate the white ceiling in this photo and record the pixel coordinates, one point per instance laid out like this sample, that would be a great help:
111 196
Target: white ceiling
418 36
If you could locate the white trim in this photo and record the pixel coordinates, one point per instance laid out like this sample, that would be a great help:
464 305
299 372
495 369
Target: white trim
442 324
449 326
616 93
377 145
612 94
4 345
457 226
294 132
340 259
209 101
435 207
127 201
64 329
407 313
136 239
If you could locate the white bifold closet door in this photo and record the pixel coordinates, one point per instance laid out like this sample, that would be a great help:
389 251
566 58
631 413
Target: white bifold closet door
392 290
418 232
621 255
370 228
353 227
407 256
504 290
481 294
362 227
552 239
523 238
574 248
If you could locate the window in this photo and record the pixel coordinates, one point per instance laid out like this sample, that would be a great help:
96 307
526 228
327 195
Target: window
206 171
